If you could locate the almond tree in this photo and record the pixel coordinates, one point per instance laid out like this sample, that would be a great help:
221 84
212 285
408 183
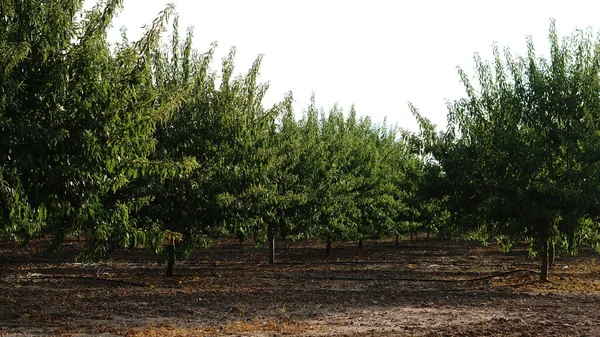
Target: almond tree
77 123
521 150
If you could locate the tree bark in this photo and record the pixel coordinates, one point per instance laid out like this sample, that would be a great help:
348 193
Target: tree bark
397 239
26 240
551 254
544 257
171 258
328 250
271 248
360 244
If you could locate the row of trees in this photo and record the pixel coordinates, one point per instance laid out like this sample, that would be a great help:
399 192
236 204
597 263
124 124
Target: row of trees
145 144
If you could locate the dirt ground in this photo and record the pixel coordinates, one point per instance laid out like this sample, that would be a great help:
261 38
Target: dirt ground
412 289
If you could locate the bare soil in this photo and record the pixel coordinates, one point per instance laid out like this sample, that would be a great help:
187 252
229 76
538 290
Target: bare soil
414 289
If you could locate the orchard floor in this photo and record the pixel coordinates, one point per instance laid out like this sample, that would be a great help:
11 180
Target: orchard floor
229 290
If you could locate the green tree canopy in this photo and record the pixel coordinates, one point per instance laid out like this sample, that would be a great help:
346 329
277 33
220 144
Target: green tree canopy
521 150
77 121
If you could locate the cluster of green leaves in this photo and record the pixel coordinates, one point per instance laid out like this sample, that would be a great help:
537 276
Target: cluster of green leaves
77 122
353 173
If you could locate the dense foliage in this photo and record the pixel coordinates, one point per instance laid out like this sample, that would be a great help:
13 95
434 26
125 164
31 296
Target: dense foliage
144 144
521 155
77 123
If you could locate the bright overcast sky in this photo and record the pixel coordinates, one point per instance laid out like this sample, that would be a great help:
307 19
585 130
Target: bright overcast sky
377 54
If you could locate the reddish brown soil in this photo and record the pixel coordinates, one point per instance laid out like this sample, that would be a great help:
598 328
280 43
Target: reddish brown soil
229 290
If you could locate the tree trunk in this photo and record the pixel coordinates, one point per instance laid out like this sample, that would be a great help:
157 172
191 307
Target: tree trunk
328 250
26 240
360 244
428 234
271 248
171 258
411 235
397 238
544 257
551 254
241 238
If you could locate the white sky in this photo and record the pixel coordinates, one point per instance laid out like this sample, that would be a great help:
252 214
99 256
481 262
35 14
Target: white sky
377 54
